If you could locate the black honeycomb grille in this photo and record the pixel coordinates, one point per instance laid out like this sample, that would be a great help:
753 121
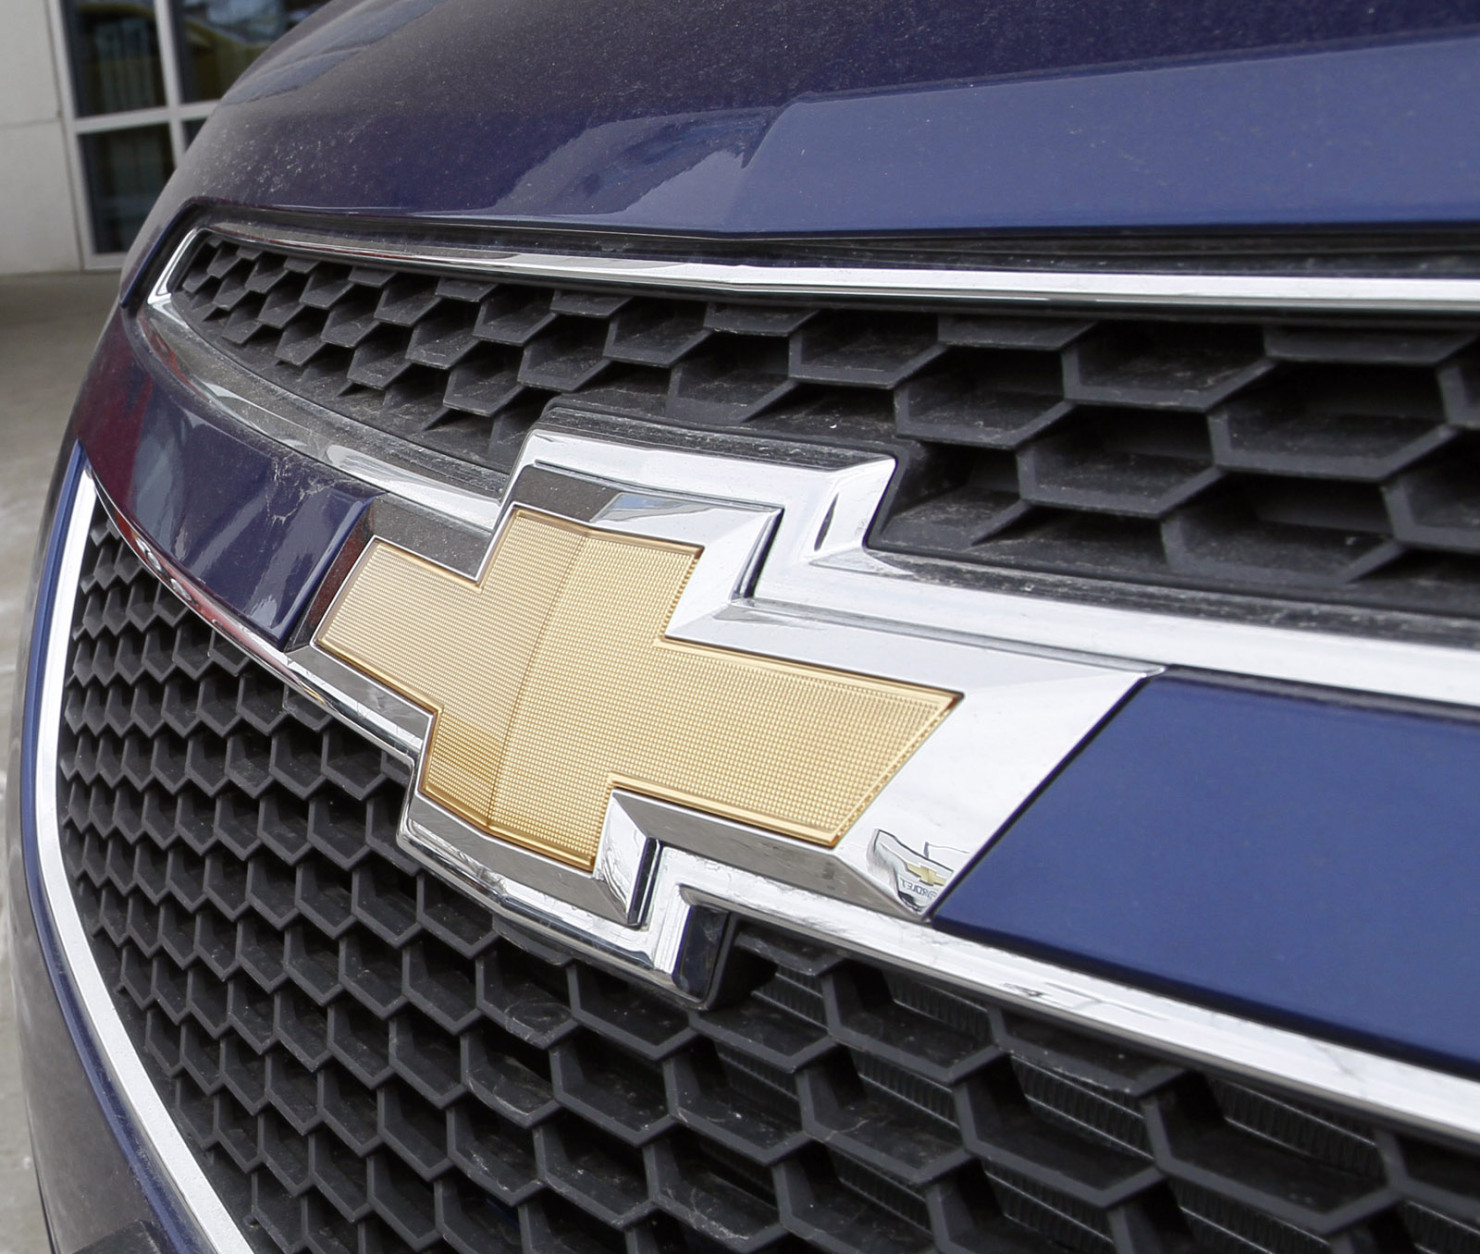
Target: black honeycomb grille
365 1062
1322 461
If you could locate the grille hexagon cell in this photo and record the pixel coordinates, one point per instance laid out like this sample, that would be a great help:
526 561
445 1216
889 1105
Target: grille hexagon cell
365 1061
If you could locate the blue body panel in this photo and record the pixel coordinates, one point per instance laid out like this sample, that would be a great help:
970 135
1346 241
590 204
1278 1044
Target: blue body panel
249 520
734 117
1309 862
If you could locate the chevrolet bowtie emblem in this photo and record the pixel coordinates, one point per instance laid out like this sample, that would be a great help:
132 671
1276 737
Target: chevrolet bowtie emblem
551 680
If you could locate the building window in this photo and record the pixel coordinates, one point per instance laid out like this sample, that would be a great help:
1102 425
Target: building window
124 171
143 76
115 57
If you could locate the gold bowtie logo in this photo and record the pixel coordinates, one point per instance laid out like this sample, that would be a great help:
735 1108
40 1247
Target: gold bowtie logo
551 681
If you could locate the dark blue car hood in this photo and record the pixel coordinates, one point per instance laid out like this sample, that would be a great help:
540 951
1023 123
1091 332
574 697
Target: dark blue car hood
766 117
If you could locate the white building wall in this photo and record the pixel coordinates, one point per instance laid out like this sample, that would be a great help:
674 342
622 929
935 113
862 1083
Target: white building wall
38 227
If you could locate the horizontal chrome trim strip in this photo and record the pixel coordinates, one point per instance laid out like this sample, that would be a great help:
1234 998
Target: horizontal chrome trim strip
1382 1086
1027 287
173 1159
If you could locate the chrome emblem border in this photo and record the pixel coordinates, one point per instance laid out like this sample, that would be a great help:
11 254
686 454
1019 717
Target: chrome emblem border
761 524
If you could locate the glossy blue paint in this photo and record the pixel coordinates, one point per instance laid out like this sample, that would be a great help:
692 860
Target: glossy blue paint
247 518
746 117
1304 861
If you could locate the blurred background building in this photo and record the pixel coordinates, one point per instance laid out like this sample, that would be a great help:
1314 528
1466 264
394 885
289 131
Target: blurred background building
98 100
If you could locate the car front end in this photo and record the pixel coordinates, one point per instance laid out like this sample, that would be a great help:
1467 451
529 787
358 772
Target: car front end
720 628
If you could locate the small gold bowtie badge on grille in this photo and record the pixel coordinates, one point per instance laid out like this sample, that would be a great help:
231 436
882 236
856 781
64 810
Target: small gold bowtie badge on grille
551 680
918 878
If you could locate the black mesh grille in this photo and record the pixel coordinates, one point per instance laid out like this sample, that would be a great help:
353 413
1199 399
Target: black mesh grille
1324 461
365 1061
